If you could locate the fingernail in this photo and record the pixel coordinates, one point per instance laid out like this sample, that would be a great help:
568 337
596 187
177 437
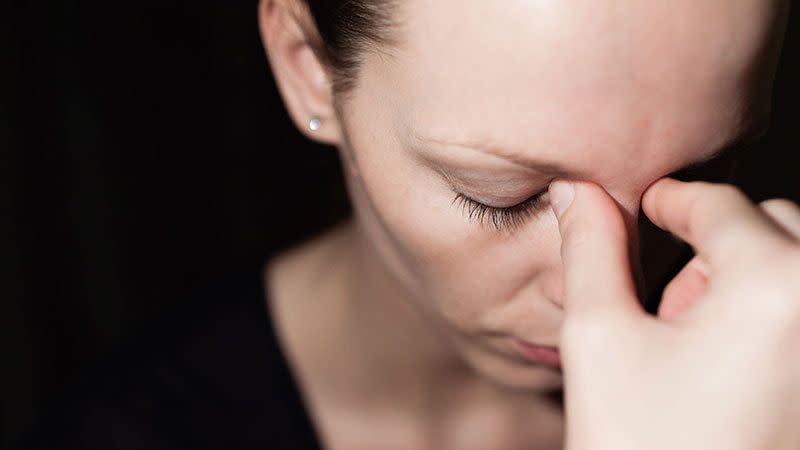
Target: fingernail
561 195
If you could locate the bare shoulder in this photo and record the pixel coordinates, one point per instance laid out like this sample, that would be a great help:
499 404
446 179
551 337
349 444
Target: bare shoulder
304 270
303 285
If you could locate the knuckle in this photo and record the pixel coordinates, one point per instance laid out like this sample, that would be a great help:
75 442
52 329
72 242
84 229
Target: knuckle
725 193
708 196
694 208
786 215
779 204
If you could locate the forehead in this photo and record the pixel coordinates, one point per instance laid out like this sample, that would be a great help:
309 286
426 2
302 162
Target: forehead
620 82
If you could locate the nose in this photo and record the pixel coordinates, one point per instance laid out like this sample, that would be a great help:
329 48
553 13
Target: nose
553 285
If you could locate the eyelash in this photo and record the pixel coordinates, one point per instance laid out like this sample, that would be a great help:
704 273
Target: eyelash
502 219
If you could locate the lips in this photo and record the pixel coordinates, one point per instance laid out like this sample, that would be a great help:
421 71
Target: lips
540 354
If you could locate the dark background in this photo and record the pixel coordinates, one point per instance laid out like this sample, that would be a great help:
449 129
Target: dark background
146 153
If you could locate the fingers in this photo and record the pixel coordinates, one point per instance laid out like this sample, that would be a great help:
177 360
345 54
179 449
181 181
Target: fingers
785 212
684 290
594 250
691 283
717 220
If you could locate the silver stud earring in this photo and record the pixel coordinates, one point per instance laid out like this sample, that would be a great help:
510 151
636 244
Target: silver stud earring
314 124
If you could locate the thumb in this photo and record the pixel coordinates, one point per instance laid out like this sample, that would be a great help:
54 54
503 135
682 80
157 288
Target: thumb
594 250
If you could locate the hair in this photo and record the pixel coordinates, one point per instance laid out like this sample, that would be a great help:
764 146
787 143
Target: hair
343 30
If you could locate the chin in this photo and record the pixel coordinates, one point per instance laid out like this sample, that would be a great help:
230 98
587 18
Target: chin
515 374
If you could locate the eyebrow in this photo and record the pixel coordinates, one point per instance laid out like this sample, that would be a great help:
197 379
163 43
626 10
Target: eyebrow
733 147
492 149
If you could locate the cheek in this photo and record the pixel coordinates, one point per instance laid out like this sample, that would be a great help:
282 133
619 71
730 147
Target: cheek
454 266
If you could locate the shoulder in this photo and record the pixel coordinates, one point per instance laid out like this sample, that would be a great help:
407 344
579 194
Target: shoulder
300 270
305 286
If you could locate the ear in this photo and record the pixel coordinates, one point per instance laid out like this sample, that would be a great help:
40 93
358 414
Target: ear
302 80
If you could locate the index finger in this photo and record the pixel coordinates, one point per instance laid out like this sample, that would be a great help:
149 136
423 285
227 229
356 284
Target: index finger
717 220
595 252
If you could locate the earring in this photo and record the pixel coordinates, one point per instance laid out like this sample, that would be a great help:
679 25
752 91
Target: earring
314 124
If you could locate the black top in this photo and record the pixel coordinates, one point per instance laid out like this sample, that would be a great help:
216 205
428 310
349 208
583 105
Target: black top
215 380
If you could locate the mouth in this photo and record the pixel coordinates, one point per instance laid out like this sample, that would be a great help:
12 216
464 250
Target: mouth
539 354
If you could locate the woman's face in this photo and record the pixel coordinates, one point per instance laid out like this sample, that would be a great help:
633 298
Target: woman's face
492 101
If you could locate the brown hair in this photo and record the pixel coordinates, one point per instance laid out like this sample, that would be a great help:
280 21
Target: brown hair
343 30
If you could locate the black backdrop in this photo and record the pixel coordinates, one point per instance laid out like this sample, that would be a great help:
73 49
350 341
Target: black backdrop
145 152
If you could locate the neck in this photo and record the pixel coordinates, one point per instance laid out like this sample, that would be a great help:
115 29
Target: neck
360 341
392 347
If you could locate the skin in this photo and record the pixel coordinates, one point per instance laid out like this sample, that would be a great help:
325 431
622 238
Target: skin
718 367
406 329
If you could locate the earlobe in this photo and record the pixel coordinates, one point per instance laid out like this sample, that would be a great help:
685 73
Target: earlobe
301 78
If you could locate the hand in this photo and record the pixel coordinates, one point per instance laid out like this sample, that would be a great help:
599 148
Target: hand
719 368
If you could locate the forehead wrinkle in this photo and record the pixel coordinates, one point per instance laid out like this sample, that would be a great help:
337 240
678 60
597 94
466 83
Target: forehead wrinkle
520 158
450 76
488 148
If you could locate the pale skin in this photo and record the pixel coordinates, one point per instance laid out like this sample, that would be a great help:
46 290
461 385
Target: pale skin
398 323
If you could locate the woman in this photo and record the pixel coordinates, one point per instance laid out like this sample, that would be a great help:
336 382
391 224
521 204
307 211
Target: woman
434 318
497 155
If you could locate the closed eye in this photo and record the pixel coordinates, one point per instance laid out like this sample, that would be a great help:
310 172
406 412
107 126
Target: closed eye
502 219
